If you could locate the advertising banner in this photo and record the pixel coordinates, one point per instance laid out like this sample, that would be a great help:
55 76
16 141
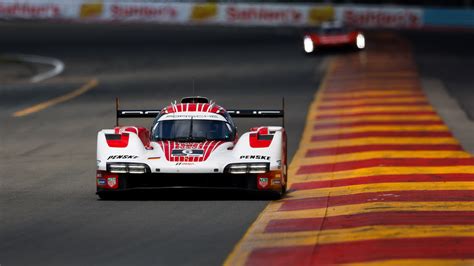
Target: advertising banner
147 12
261 14
202 13
38 10
380 17
235 14
250 14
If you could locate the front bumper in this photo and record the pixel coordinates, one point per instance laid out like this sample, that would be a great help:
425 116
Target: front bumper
124 182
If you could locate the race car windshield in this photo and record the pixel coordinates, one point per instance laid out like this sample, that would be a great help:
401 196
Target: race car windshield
333 31
192 130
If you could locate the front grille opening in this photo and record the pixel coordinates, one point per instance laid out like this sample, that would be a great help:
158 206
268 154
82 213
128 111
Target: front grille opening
189 180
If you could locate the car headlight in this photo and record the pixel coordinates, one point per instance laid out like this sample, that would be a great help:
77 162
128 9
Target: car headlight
124 168
308 45
360 41
248 168
118 168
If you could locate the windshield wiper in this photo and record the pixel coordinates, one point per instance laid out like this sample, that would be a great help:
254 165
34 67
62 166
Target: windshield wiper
191 128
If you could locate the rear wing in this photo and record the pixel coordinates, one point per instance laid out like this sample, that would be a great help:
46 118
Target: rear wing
256 113
234 113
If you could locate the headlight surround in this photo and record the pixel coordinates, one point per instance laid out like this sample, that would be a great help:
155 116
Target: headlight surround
127 168
308 44
248 168
360 41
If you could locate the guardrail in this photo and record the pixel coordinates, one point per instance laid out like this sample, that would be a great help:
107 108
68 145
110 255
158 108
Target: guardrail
238 14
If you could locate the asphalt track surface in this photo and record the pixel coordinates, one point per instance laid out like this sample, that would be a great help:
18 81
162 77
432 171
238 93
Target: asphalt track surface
49 213
448 57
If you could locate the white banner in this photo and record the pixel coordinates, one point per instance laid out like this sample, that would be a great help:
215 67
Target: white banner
38 10
247 14
147 12
261 14
212 13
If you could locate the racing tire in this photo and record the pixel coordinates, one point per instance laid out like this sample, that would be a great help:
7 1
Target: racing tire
104 195
276 195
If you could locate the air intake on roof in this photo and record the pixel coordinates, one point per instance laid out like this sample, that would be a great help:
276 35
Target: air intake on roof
195 99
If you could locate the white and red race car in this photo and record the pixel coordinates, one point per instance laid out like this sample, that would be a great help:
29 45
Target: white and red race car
194 144
333 35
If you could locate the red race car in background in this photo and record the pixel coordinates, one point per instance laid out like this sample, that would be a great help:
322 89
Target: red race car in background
333 35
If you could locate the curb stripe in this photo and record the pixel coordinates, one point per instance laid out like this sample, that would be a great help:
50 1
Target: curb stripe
371 219
381 187
414 113
343 166
381 141
378 123
376 118
407 88
381 154
385 147
416 262
374 97
378 178
369 207
370 93
367 134
415 248
379 109
363 233
379 104
344 130
392 196
382 179
381 170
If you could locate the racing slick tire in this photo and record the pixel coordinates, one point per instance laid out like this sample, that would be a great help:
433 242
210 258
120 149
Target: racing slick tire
104 195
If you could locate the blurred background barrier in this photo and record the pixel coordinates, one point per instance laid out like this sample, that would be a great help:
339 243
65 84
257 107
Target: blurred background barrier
238 14
380 17
459 18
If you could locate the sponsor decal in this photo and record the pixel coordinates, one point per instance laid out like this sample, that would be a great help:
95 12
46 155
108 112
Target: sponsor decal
188 152
184 163
382 17
117 140
255 157
276 182
263 182
114 157
161 12
200 151
316 15
27 10
112 182
266 15
101 182
203 12
91 10
189 116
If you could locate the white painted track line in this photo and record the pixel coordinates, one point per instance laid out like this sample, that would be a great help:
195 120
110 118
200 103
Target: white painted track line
58 65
